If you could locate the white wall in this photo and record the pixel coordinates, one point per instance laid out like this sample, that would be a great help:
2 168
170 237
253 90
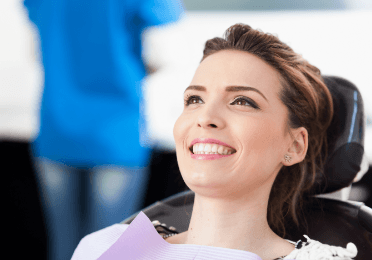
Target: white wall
20 73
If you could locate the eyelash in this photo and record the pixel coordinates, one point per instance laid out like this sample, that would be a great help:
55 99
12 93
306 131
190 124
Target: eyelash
249 101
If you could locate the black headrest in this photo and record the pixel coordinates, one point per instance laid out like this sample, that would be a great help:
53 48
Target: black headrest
345 137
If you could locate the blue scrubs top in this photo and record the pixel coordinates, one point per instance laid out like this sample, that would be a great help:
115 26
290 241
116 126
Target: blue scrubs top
91 52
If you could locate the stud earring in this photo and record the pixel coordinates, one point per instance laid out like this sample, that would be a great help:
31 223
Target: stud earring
287 158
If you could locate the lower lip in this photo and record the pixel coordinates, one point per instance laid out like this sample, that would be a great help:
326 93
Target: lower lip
209 156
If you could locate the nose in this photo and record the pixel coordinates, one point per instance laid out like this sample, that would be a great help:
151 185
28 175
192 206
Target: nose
210 117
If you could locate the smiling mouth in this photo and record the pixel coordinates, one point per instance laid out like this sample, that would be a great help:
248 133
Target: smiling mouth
207 148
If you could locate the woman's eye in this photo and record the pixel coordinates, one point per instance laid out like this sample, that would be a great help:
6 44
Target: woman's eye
244 102
193 100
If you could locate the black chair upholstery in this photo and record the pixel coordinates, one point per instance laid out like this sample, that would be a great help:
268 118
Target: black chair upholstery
329 221
345 137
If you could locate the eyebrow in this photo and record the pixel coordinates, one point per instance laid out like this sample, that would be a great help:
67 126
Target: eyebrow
228 89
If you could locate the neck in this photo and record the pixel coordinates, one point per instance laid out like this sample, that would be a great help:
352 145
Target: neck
236 223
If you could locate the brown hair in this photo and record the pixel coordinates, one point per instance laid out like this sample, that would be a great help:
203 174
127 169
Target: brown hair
309 105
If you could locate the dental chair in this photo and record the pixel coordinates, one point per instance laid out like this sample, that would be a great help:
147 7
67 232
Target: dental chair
331 220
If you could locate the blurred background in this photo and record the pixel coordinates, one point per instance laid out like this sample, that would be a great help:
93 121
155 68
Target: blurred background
333 35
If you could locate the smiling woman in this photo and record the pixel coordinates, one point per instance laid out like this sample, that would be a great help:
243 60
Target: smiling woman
249 142
278 105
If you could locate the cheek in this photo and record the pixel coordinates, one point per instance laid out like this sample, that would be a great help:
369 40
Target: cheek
180 129
261 141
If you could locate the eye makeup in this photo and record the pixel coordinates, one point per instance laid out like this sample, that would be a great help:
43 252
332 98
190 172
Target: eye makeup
189 101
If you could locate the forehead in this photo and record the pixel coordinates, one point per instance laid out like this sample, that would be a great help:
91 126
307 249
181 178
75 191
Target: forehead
232 67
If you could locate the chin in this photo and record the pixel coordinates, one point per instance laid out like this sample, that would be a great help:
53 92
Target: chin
201 183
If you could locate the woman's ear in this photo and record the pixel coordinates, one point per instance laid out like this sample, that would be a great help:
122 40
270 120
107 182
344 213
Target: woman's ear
298 147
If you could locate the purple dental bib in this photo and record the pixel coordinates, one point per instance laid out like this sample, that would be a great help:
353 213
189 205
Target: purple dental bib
141 241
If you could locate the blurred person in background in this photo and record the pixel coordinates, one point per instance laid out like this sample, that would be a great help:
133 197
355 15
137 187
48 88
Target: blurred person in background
20 84
92 153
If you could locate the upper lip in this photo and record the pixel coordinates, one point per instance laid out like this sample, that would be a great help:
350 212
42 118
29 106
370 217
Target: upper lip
209 141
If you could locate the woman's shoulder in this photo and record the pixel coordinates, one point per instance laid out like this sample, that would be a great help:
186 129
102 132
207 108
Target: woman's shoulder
312 249
95 244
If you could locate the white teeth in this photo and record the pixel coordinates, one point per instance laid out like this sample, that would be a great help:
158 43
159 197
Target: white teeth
205 148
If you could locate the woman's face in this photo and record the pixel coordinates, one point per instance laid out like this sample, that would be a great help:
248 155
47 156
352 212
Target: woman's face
233 99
